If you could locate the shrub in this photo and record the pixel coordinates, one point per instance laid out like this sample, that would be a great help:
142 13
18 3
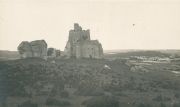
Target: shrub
102 101
28 104
55 102
86 91
64 94
177 95
144 105
176 105
158 98
162 105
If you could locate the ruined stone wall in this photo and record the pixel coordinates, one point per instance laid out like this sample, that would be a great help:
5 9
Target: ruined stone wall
52 53
89 49
67 50
75 36
80 45
36 48
39 48
25 49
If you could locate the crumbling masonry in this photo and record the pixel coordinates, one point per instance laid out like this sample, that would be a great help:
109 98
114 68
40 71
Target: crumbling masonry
80 45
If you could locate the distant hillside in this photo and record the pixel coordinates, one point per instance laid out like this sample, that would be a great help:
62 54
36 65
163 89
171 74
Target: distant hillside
171 51
8 55
128 53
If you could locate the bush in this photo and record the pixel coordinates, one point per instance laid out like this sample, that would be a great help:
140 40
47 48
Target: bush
28 104
102 101
144 105
176 105
162 105
85 91
158 98
64 94
177 95
55 102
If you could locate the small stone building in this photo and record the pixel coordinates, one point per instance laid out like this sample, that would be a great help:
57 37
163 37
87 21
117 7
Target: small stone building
37 48
80 45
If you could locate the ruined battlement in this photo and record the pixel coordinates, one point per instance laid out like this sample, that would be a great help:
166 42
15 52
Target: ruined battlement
77 27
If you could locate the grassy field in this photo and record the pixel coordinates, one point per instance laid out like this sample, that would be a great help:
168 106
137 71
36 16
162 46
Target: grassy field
36 82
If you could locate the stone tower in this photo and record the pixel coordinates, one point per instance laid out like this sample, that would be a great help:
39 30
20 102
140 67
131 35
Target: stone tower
80 45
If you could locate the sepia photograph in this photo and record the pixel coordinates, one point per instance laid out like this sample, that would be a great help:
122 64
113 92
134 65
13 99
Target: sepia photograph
89 53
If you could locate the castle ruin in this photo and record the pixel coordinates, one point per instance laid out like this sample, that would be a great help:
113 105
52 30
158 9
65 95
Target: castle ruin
80 45
37 48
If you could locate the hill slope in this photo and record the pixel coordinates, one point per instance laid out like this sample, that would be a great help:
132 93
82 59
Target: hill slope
75 82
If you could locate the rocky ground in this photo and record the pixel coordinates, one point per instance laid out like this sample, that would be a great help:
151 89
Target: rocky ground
35 82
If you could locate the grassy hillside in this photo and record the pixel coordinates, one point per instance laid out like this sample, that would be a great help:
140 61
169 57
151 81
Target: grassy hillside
88 83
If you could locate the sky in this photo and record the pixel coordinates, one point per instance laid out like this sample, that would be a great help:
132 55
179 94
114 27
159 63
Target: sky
117 24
